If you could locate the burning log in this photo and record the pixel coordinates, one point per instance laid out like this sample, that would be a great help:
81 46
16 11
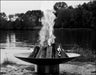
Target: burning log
34 53
52 51
49 52
42 52
61 52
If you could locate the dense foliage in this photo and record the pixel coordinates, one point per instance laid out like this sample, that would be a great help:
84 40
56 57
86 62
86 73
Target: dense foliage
28 20
81 16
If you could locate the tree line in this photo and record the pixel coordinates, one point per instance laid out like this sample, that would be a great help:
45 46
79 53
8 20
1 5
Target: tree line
27 20
82 16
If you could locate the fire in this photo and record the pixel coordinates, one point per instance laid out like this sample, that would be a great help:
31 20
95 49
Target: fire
48 48
46 33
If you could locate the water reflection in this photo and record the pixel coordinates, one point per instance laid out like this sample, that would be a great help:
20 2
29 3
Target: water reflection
14 39
11 40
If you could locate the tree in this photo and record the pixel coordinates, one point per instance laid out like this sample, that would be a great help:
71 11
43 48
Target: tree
60 5
31 18
20 16
3 21
64 18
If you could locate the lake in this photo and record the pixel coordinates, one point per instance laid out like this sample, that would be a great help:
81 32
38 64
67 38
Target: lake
68 37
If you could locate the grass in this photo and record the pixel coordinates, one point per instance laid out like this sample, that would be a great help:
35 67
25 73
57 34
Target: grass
86 54
66 73
7 62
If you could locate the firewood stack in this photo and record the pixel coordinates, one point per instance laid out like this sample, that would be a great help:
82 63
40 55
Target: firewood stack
52 51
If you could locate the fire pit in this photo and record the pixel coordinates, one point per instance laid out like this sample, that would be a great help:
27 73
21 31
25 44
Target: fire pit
46 65
48 54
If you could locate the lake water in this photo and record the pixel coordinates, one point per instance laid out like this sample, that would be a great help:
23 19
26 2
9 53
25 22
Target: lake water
67 37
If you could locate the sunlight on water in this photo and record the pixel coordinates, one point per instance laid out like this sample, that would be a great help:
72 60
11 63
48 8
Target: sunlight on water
10 41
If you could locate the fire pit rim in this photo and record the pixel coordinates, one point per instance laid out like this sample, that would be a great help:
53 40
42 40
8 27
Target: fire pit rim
46 61
68 53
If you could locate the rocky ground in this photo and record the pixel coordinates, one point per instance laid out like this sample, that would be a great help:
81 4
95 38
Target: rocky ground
70 68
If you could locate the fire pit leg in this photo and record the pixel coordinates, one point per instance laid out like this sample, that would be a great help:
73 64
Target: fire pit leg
48 69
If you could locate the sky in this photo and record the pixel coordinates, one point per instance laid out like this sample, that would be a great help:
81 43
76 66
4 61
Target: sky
12 7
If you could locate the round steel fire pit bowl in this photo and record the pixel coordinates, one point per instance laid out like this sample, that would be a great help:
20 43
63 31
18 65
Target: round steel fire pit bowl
46 65
46 61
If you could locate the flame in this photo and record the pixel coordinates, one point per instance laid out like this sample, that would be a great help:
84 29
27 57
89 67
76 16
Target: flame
46 33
